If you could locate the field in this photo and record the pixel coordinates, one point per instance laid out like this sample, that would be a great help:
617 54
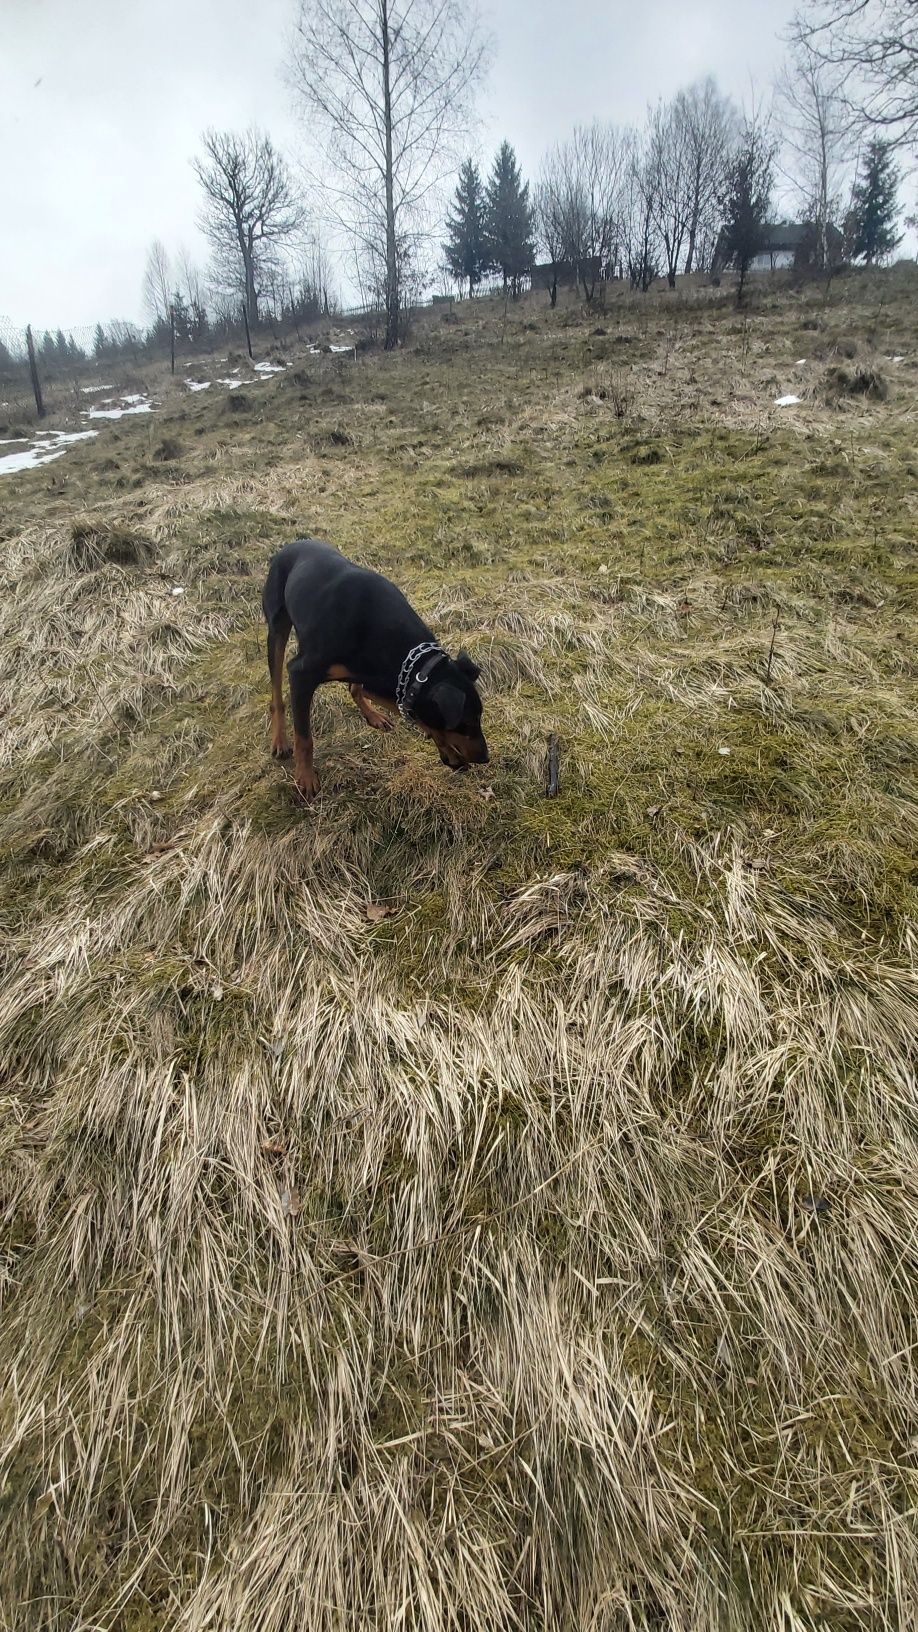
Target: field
441 1208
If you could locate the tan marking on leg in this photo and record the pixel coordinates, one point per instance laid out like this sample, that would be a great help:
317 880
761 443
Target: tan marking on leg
304 775
378 721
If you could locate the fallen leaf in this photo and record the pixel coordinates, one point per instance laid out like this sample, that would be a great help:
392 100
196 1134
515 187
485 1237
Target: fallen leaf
273 1147
487 793
376 912
217 993
723 752
757 865
653 810
290 1203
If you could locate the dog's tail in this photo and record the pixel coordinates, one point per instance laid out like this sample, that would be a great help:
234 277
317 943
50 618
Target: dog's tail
272 596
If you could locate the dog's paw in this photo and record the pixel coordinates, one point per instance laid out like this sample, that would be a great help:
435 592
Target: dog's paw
281 750
307 784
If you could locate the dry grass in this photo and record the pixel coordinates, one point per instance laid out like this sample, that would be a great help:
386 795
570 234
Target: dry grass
541 1255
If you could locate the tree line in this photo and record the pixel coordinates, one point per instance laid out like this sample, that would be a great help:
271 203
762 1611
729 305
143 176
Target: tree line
386 89
692 191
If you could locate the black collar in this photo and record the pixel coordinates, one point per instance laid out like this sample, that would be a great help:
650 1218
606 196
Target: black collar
415 672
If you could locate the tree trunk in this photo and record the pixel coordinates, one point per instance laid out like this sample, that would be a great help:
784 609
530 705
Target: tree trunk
392 289
248 262
690 252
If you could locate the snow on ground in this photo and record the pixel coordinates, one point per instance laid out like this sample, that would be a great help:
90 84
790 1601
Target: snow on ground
135 405
787 402
269 368
50 446
88 390
198 385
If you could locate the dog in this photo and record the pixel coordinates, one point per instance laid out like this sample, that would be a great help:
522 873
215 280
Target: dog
355 626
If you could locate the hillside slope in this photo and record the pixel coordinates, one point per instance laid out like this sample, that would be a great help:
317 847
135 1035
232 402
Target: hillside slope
538 1252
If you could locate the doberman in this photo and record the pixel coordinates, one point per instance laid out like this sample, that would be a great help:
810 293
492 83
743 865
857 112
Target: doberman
356 626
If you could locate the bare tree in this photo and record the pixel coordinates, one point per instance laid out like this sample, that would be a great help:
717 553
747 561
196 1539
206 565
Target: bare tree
596 167
157 282
667 162
817 127
250 205
552 217
641 240
710 124
874 43
389 83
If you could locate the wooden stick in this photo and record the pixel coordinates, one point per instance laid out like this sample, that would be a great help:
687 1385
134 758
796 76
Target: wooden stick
553 767
771 651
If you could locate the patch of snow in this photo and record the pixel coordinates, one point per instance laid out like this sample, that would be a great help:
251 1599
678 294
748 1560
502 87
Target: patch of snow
800 362
340 348
134 396
198 385
29 458
270 368
88 390
177 589
723 752
119 413
236 381
51 446
787 402
898 359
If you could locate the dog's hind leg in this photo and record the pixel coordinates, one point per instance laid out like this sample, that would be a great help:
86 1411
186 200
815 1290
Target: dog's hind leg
372 715
302 685
278 636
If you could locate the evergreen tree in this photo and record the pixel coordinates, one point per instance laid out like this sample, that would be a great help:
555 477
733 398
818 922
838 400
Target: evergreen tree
464 249
60 345
99 343
509 220
875 205
746 201
181 317
47 348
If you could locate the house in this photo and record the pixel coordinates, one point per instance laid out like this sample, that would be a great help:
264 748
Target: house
787 244
566 273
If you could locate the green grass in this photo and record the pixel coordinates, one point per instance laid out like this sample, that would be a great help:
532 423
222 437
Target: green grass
541 1254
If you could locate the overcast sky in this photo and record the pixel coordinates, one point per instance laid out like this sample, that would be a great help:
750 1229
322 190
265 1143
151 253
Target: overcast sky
102 103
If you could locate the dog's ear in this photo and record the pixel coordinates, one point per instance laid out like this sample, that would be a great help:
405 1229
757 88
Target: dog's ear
450 702
469 669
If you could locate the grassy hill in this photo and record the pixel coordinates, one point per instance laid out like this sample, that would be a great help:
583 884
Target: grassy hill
440 1207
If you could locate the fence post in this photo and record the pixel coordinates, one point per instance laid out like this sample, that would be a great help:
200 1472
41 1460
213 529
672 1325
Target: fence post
33 370
172 339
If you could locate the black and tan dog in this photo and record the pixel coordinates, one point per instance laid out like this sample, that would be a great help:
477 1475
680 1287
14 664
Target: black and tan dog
356 626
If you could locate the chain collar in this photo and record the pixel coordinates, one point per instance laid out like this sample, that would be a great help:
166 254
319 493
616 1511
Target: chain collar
410 681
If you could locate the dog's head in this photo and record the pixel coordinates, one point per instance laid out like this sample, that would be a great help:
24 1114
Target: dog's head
449 710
